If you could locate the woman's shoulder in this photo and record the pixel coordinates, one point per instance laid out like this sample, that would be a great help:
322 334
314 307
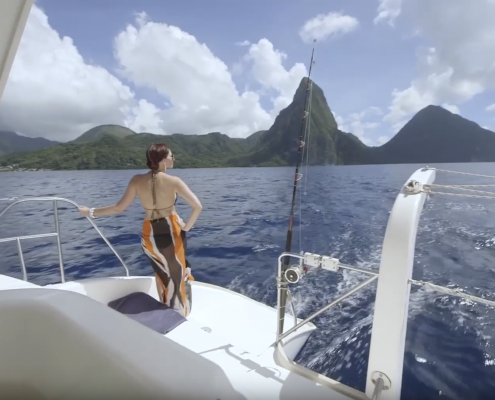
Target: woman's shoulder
168 178
138 177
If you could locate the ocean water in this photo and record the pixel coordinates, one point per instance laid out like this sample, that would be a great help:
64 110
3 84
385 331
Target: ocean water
342 212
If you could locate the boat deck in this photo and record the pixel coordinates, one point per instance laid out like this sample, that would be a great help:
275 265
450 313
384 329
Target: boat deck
118 355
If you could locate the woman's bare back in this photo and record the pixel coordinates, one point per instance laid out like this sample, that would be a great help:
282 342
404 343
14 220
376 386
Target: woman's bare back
156 190
165 190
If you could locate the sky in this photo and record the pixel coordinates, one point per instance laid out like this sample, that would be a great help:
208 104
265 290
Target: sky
195 66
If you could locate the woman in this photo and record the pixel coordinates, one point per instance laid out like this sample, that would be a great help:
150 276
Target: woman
163 238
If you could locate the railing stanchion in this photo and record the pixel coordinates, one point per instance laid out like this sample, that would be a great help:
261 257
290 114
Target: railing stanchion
21 257
59 242
55 201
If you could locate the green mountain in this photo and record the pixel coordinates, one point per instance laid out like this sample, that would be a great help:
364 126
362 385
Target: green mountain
129 152
98 131
253 139
433 135
327 144
11 142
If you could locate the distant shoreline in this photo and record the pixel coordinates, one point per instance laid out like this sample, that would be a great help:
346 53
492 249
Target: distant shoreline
142 169
271 166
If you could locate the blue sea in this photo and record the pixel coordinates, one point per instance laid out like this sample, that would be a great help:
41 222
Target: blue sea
342 211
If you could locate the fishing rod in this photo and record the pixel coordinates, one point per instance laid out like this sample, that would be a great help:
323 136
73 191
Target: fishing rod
288 243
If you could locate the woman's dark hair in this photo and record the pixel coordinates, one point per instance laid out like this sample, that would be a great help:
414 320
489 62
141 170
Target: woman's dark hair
156 153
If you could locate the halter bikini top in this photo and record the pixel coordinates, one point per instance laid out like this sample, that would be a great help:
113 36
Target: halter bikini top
153 194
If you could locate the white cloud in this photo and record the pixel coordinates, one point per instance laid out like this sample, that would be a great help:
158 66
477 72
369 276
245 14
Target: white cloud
53 92
268 70
324 26
452 108
388 10
383 139
361 124
491 108
340 122
243 43
199 85
144 117
459 62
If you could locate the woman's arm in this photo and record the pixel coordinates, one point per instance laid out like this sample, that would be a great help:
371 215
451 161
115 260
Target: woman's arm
126 200
183 190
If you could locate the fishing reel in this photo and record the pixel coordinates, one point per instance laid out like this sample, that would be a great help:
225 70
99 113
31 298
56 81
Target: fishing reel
294 273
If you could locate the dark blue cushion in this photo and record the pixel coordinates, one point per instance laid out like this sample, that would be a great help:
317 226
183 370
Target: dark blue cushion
150 312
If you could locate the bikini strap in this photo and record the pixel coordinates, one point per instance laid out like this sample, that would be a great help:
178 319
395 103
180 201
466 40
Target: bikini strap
153 194
153 191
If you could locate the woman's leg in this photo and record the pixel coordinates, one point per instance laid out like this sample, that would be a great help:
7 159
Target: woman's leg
164 243
156 235
175 281
189 277
180 265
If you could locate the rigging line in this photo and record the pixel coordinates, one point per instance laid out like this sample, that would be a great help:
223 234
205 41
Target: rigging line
309 135
431 185
453 292
462 173
288 243
305 138
461 186
302 179
434 192
305 149
310 111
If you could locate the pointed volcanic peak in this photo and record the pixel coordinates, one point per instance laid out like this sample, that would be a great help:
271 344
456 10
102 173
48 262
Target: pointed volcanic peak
278 145
435 135
287 124
319 104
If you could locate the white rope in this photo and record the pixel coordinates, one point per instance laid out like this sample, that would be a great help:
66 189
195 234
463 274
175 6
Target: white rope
414 187
461 195
453 292
462 173
460 187
457 187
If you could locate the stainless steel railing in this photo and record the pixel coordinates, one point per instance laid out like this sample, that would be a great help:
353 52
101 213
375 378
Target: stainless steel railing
56 234
382 383
282 284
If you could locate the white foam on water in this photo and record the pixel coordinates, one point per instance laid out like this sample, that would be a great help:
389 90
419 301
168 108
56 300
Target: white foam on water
263 247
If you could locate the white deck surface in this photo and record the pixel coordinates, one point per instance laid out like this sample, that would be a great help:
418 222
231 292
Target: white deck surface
60 343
